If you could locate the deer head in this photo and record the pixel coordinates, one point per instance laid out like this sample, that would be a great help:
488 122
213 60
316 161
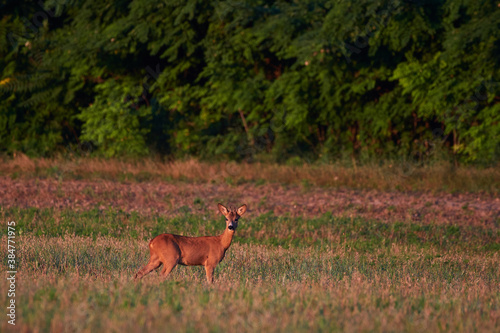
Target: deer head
232 215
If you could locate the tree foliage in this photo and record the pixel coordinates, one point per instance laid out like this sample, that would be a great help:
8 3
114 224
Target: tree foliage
252 79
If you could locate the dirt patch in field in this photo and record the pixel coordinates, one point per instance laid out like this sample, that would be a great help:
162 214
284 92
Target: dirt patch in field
179 198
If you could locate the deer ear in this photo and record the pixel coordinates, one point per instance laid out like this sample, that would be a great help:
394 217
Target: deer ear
240 211
223 209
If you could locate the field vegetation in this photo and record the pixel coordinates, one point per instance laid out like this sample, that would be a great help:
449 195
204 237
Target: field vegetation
313 270
439 176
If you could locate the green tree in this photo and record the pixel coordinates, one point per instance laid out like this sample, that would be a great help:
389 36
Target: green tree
253 79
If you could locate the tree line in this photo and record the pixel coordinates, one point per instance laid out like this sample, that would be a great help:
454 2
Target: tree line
246 80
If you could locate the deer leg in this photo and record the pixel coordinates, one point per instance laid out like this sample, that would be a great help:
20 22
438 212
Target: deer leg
168 266
154 263
210 273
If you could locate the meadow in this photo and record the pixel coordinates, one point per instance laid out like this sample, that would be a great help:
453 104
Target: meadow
323 272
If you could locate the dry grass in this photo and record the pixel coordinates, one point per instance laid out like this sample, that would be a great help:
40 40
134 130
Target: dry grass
385 176
178 198
283 272
76 283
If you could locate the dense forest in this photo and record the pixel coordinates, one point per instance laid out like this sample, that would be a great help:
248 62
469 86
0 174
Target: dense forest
251 80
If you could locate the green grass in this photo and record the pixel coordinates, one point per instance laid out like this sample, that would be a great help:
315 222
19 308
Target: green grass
281 274
266 229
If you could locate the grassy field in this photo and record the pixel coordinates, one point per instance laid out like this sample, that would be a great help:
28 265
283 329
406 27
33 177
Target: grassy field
400 175
332 248
282 273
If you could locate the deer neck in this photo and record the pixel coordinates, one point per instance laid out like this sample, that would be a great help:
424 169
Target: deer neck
226 238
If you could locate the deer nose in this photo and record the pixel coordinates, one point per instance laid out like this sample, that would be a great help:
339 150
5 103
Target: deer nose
231 227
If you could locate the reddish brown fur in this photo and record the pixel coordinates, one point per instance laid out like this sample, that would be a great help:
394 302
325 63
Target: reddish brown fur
170 250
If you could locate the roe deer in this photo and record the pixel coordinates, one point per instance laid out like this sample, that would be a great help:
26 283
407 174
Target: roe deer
170 250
